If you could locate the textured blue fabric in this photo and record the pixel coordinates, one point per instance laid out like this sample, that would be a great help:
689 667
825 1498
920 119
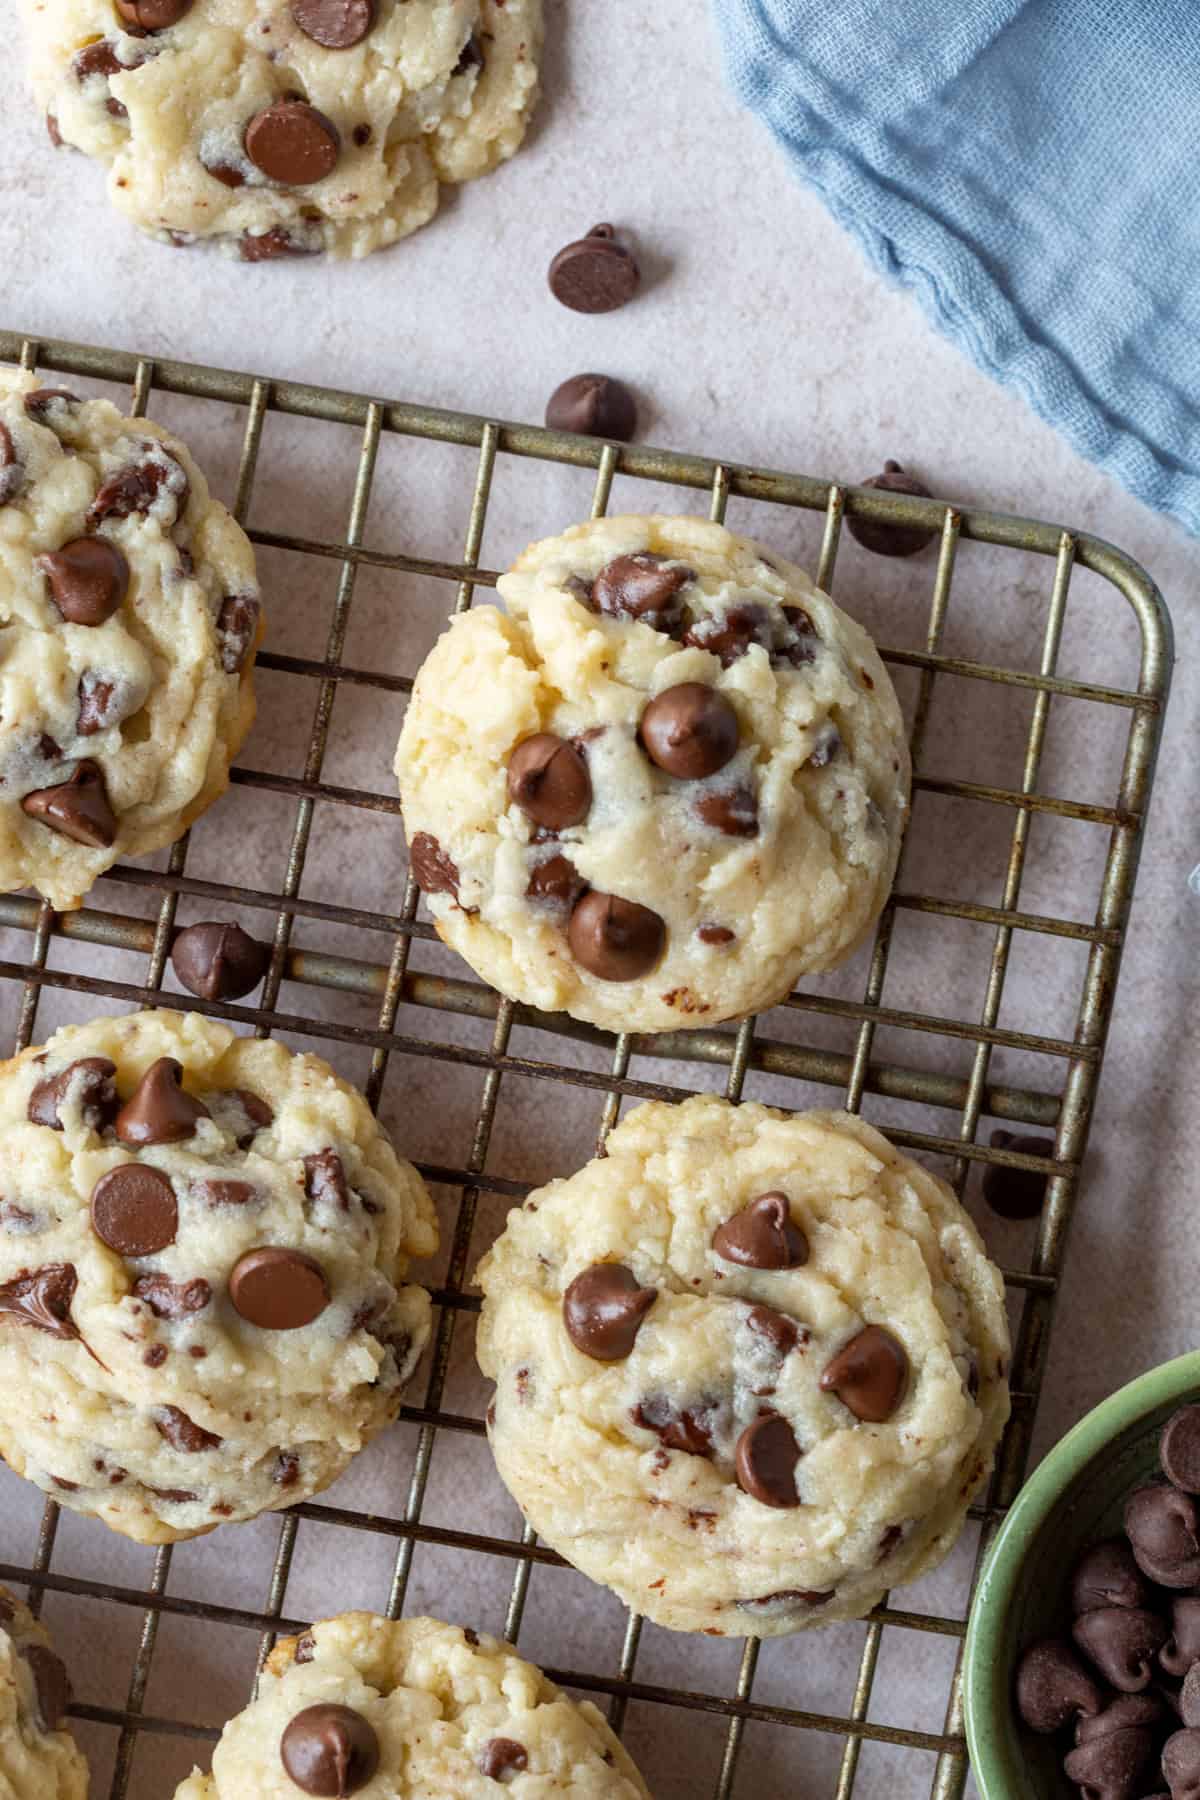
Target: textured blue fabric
1031 168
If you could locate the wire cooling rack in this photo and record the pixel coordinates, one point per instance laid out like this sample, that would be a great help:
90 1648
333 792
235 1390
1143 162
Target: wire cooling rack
1059 1095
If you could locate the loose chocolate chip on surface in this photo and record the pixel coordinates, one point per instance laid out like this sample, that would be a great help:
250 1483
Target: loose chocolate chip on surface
765 1462
595 274
88 579
1016 1193
153 15
1182 1648
690 731
782 1333
593 406
271 245
183 1433
77 808
278 1289
643 586
1107 1575
173 1299
97 1094
1122 1642
548 779
95 701
1112 1767
762 1235
892 540
1054 1686
1179 1449
293 143
869 1374
436 872
42 1298
325 1179
555 882
603 1309
134 1211
330 1751
689 1429
502 1757
135 488
219 961
160 1111
237 627
615 939
1181 1765
334 24
50 1683
731 811
1162 1527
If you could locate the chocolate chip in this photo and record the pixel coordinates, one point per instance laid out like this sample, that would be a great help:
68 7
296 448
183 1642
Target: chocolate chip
47 749
228 174
153 15
134 1210
615 939
595 274
270 245
555 882
1181 1765
1122 1642
690 731
762 1235
1112 1767
154 1356
286 1472
41 404
50 1683
732 811
93 1079
827 746
729 635
1125 1710
688 1429
12 472
334 24
226 1193
548 779
173 1299
435 872
1162 1527
1053 1686
18 1221
1179 1449
278 1289
100 59
258 1115
219 961
237 624
77 808
502 1757
765 1461
715 934
782 1333
892 540
362 135
136 488
182 1433
593 406
325 1179
95 699
869 1374
643 586
305 1647
1182 1648
160 1111
292 143
1107 1575
329 1750
1016 1193
42 1298
603 1309
471 56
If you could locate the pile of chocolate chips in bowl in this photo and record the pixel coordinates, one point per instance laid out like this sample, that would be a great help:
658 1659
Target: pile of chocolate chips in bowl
1125 1682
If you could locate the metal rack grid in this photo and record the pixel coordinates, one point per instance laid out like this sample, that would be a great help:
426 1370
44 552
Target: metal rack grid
1068 1111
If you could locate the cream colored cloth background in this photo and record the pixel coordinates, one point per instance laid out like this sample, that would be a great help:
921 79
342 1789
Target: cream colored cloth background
760 336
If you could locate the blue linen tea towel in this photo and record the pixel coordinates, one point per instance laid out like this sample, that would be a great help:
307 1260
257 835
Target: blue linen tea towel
1031 169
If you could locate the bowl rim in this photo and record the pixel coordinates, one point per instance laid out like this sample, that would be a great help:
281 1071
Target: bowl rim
997 1774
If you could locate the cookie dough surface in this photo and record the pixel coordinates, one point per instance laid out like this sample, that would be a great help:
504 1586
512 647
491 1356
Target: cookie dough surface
395 97
444 1707
770 865
131 615
704 1472
39 1759
168 1389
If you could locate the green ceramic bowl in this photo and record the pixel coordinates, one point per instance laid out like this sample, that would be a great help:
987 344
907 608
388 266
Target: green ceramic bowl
1076 1496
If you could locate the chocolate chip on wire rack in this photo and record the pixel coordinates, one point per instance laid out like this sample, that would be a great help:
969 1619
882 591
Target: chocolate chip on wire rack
880 535
593 406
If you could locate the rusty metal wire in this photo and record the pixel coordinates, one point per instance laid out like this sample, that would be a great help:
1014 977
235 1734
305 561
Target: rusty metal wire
382 974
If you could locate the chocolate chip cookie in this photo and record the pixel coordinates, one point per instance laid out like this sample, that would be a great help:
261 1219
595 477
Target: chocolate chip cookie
286 127
204 1248
39 1759
131 616
411 1706
669 781
750 1367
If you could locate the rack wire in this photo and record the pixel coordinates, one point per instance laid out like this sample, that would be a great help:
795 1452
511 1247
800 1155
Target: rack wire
1066 1107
